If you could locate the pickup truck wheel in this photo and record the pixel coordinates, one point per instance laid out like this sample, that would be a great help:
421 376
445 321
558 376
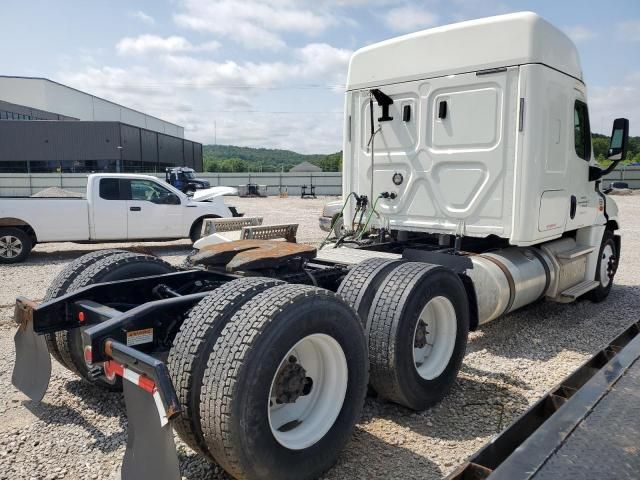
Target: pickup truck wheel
15 245
115 265
606 268
193 344
417 328
285 384
360 284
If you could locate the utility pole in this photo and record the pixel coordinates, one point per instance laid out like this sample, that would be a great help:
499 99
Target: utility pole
215 132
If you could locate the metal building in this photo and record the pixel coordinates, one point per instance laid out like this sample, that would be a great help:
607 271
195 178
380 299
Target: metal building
49 127
73 146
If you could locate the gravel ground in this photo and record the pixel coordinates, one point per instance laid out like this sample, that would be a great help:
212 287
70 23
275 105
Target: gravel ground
79 431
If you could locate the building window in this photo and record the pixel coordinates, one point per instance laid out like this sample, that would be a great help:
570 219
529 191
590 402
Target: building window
13 167
582 133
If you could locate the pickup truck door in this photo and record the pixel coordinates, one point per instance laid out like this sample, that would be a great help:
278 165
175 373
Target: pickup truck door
109 211
153 211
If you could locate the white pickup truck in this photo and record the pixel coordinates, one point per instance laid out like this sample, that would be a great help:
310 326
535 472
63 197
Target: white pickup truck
117 207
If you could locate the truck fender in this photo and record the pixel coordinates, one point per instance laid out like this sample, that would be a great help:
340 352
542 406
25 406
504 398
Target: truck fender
21 224
473 302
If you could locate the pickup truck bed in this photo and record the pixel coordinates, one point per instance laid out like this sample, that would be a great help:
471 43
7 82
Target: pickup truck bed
66 219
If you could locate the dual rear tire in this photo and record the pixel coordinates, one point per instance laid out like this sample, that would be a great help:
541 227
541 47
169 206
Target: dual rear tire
96 267
416 320
272 378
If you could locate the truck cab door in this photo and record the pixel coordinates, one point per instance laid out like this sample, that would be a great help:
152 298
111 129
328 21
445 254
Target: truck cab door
584 200
108 211
153 211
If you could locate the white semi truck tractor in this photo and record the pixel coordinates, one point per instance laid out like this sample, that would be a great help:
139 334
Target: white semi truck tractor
470 191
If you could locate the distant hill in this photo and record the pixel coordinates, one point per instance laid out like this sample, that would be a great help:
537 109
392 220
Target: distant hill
229 158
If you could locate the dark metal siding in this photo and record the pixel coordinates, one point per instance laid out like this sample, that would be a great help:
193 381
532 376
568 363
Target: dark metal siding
188 153
130 143
197 157
149 141
58 140
80 141
170 150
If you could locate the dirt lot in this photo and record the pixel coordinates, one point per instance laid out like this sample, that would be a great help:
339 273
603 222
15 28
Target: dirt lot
80 432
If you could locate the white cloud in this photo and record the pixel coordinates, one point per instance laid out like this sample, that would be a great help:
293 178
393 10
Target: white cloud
579 33
622 100
144 44
628 31
254 24
143 17
315 60
409 18
253 103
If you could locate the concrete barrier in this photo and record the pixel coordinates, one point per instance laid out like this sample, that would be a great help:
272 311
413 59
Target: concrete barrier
326 183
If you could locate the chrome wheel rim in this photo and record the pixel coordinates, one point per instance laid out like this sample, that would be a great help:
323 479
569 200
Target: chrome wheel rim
434 337
300 414
10 246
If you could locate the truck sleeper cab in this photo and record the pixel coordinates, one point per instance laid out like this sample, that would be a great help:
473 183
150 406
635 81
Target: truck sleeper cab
468 195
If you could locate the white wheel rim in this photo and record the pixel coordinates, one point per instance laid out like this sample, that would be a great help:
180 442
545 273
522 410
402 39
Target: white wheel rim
10 246
607 253
439 327
310 416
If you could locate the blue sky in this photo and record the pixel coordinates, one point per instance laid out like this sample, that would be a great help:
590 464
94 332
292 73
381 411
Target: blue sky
269 73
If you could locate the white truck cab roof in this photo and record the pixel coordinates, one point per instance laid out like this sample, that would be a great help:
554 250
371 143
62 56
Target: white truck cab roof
493 42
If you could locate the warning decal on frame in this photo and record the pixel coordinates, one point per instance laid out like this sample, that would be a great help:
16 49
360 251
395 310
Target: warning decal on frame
138 337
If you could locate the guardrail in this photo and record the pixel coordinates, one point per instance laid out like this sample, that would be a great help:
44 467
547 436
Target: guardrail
326 183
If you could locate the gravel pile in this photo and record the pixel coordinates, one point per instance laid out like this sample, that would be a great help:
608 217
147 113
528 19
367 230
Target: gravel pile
56 192
80 432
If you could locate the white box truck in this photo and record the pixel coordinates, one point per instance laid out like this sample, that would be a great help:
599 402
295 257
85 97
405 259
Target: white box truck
470 191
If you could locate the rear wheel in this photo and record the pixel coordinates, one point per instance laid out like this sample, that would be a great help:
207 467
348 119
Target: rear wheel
360 285
606 268
192 347
15 245
417 328
285 384
99 267
60 286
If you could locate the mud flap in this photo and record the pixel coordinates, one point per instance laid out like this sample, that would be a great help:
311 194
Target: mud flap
32 369
151 451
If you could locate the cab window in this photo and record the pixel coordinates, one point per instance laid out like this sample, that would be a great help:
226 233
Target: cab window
110 188
151 192
582 134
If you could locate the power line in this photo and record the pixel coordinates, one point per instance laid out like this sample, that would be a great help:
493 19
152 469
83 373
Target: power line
248 111
200 85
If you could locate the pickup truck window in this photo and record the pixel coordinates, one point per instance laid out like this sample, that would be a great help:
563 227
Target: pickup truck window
110 189
582 134
149 191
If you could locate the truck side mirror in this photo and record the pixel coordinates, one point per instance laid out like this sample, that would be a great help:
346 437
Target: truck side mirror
619 140
617 148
